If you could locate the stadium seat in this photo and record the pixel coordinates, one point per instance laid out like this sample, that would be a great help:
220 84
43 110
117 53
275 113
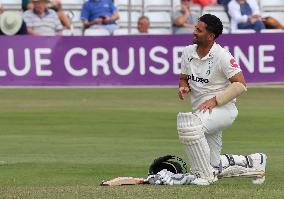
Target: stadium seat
75 16
226 31
243 31
96 32
158 5
72 32
159 19
196 9
176 3
272 5
272 31
77 32
136 5
67 32
124 18
125 31
72 5
12 4
160 31
214 8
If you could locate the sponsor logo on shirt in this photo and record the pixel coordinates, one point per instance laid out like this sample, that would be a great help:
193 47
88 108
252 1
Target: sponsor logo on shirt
234 63
198 79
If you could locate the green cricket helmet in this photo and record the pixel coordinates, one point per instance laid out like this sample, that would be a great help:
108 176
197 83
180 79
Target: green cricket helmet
172 163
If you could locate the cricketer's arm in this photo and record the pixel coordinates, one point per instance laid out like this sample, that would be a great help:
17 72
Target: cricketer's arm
184 87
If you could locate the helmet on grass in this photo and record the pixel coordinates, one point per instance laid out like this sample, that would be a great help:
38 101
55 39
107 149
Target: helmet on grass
172 163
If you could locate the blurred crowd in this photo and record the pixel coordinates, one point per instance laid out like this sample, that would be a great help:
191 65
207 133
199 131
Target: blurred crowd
47 17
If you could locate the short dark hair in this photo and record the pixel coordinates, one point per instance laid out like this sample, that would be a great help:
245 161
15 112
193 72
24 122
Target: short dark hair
214 24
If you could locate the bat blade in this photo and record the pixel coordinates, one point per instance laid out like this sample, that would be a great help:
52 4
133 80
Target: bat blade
124 181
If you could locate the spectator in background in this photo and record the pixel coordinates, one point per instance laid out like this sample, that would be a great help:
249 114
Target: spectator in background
204 3
56 5
26 5
11 23
143 24
41 20
224 3
100 14
184 19
245 14
52 4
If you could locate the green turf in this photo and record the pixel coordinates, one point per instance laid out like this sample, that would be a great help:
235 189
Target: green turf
61 143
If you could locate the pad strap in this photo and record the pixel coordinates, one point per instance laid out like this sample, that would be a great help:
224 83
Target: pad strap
230 159
249 162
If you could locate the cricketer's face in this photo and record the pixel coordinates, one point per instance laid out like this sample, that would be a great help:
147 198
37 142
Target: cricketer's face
201 35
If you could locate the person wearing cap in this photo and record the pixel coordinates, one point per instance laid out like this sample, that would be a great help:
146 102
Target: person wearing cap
11 23
41 20
100 14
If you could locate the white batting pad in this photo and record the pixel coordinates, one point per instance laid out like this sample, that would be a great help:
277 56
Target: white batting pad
252 166
191 135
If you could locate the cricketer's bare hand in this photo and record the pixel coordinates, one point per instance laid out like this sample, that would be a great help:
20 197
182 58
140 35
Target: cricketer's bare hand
207 105
183 90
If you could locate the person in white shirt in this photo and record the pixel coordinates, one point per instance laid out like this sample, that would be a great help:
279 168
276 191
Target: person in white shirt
214 79
245 14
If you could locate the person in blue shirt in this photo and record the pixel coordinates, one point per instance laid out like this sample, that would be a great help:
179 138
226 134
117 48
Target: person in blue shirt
100 14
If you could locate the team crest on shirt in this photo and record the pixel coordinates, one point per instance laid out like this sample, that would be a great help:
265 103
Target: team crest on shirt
208 72
233 63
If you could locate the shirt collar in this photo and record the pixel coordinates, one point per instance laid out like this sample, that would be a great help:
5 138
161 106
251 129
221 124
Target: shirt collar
46 12
208 56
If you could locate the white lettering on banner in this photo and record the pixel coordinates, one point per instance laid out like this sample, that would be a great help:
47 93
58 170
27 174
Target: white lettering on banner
103 61
177 50
40 62
263 59
142 61
67 62
96 62
115 66
157 59
239 55
3 73
11 62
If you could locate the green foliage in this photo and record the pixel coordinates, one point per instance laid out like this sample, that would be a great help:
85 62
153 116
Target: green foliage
61 143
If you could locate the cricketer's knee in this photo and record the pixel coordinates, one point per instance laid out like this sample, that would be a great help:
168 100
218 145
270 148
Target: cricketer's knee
191 135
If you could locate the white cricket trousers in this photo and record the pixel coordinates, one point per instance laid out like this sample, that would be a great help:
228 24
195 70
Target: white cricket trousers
220 118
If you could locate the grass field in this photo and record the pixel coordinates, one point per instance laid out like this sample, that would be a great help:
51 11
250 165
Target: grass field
61 143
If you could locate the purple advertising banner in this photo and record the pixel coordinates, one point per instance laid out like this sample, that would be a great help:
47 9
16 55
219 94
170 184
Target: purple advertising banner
143 60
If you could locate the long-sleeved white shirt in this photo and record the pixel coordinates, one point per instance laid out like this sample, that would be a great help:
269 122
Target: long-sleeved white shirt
235 12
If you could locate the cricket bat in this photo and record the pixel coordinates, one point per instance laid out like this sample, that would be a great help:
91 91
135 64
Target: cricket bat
124 181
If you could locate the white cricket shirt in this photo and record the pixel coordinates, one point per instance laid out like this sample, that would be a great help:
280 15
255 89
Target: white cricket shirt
209 75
